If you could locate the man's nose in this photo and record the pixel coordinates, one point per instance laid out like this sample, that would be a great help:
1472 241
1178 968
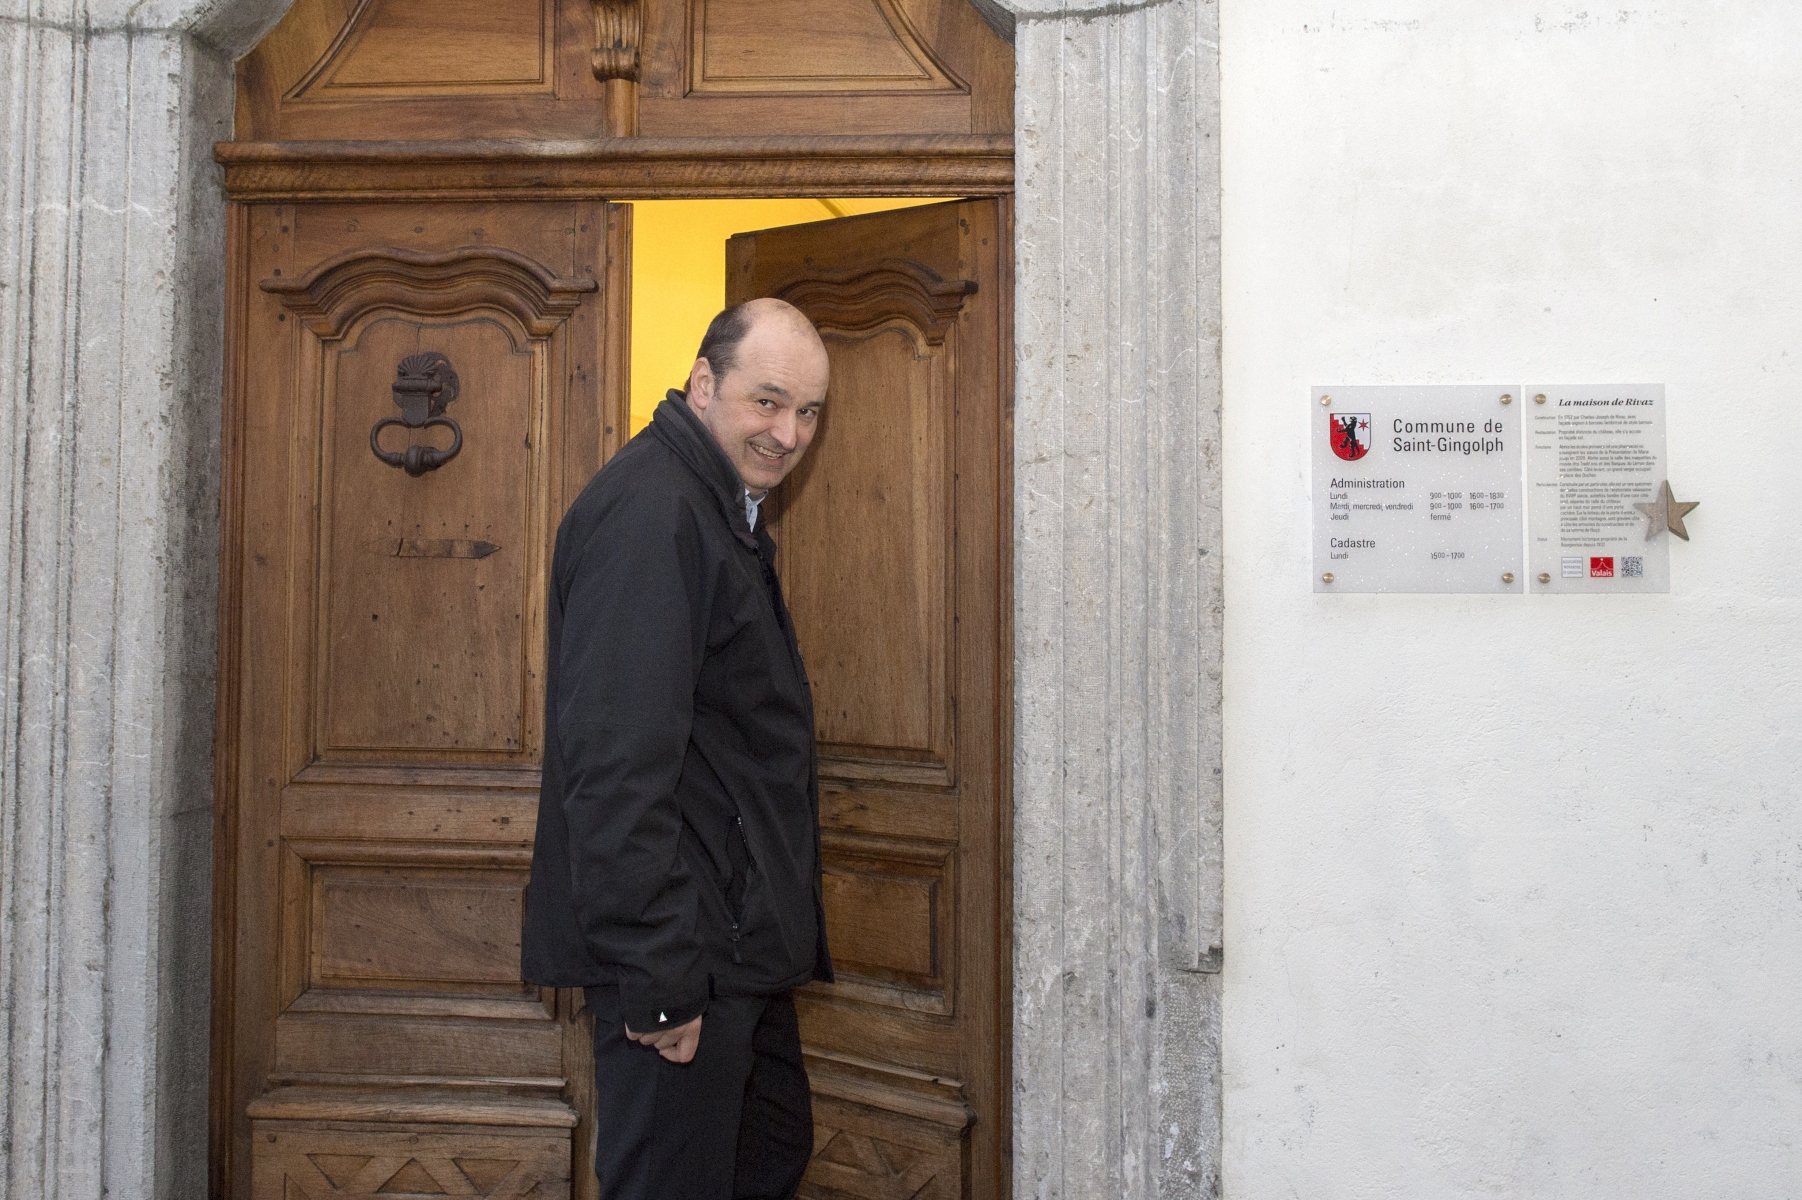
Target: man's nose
785 429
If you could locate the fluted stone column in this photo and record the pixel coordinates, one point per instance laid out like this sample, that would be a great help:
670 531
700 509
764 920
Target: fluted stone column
110 319
1117 602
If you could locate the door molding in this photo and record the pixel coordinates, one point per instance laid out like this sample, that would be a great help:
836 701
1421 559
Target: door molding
334 298
859 301
330 297
620 168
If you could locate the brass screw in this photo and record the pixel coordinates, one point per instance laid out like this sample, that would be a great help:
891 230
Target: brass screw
1507 399
1327 578
1507 576
1544 577
1539 399
1325 400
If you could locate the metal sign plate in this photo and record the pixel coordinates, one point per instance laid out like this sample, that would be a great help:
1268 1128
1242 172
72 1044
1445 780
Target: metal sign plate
1417 489
1593 454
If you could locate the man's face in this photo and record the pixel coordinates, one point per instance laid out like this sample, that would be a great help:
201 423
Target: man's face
763 413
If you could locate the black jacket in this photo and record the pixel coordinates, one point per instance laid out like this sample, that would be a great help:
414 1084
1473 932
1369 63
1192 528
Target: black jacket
678 849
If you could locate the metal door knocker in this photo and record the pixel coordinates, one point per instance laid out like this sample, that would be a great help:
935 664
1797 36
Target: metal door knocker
424 384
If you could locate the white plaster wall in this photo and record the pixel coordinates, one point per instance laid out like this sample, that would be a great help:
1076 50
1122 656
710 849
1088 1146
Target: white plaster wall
1514 885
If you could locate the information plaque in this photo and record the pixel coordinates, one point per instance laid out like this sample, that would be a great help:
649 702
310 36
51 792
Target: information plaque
1593 454
1417 489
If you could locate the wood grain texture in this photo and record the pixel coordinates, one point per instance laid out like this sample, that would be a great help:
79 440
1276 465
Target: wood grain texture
390 48
867 1154
891 919
750 47
886 1134
623 168
618 34
418 177
870 808
893 67
382 780
880 670
314 1160
414 1106
223 1142
418 1043
415 927
892 535
349 286
385 68
430 653
403 686
563 69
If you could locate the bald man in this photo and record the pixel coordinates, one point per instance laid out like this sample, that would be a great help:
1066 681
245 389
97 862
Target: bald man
676 874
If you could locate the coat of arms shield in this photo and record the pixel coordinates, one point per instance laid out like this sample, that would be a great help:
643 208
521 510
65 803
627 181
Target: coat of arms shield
1349 435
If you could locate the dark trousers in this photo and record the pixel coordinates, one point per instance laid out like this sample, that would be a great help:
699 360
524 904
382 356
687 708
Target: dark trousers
735 1123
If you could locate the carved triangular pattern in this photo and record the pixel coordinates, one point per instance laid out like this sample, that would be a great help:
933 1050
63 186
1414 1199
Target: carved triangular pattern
305 1177
411 1180
415 1177
340 1169
486 1174
866 1168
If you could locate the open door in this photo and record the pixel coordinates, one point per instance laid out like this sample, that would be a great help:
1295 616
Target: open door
893 550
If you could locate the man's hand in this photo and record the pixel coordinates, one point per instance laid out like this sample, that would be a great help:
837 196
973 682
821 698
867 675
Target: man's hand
678 1044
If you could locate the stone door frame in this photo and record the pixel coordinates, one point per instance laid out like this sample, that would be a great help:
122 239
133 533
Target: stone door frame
111 296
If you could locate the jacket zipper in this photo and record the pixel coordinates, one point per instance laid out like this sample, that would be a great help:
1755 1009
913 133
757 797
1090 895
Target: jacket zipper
750 862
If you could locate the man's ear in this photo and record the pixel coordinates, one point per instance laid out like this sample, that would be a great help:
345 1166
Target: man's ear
700 385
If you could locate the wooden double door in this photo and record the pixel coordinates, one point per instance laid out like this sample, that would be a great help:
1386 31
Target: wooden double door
381 667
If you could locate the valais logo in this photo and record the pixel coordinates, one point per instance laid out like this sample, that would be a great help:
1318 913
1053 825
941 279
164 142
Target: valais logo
1349 434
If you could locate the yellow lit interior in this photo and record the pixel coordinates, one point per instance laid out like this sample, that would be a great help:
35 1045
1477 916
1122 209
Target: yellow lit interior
679 276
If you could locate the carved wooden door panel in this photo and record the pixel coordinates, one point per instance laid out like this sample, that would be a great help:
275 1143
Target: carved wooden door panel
893 537
416 393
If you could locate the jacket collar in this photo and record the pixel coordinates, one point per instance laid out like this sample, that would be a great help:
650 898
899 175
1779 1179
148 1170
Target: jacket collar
676 426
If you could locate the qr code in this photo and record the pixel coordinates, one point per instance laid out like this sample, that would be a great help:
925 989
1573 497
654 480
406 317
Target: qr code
1633 567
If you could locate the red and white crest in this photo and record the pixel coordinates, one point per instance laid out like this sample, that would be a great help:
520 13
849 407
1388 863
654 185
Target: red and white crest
1349 435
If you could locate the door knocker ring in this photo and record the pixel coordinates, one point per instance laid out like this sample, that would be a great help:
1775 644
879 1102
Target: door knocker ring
424 385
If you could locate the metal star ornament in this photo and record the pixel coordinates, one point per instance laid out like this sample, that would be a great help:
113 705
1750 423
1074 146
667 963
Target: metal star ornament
1664 511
